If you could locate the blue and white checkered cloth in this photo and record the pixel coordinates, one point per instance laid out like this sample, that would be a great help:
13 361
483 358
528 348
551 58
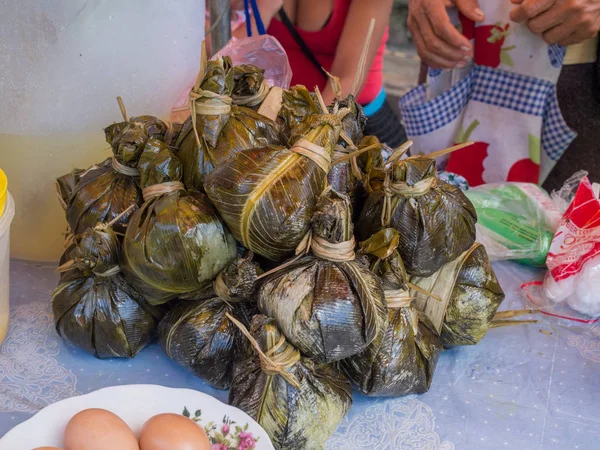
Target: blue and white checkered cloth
556 134
421 116
517 92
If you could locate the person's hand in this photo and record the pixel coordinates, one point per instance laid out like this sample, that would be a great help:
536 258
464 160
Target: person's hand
565 22
439 43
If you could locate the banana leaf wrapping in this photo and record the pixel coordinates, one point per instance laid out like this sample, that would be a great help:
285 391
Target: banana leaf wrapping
222 129
155 127
297 103
347 177
104 191
354 121
297 402
249 86
94 307
436 220
199 336
326 304
267 195
402 359
470 295
65 186
175 243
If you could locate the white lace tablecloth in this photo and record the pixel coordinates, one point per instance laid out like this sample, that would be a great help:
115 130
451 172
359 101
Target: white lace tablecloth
518 389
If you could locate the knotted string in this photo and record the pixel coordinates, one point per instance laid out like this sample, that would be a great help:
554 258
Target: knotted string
336 252
162 188
123 169
273 363
212 103
254 99
319 155
398 298
401 188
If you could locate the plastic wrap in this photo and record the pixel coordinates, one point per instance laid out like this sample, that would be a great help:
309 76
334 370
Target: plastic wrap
515 221
262 51
573 260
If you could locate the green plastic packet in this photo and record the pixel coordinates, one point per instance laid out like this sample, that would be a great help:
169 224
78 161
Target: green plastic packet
516 221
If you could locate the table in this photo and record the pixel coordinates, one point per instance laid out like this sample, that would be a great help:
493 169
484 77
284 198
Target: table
518 389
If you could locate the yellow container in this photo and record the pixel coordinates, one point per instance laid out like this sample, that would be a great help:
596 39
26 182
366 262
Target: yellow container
6 216
3 191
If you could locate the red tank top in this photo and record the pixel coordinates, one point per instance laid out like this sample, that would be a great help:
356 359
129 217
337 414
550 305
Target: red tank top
323 44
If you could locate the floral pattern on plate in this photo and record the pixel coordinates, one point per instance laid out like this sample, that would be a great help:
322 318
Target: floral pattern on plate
225 436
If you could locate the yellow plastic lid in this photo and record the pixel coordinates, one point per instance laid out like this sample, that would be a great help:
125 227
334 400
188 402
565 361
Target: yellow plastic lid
3 191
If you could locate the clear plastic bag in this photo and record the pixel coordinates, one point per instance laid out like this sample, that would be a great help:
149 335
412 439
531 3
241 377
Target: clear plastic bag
515 221
573 261
262 51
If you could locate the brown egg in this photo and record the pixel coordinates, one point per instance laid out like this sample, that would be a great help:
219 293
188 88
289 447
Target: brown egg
174 432
47 448
98 429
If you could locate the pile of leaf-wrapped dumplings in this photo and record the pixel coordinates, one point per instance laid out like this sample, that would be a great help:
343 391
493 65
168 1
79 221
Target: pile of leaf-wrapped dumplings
273 252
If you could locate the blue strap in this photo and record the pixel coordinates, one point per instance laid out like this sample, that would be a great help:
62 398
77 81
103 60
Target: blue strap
248 18
259 23
375 105
256 13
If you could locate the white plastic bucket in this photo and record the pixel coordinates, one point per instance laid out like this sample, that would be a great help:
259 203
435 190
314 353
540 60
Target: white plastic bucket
5 221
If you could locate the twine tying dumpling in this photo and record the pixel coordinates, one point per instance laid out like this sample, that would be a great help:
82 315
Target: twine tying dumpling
123 169
206 102
162 188
342 154
319 155
402 189
337 252
273 362
398 298
254 99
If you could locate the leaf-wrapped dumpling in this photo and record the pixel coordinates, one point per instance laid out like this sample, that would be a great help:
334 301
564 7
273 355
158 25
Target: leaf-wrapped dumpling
347 176
216 130
94 306
436 220
326 304
267 195
402 359
297 402
249 86
297 103
175 243
105 190
470 296
198 335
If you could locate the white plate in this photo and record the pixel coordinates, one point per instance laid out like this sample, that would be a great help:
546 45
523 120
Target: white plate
135 404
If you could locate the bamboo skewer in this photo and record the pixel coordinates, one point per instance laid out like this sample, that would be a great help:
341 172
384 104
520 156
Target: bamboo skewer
363 58
419 289
122 108
510 323
515 313
354 154
449 150
116 219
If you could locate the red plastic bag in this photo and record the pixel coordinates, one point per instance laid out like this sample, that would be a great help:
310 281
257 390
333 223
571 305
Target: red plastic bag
574 257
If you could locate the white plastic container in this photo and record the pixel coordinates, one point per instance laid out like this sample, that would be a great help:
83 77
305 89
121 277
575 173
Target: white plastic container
5 221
